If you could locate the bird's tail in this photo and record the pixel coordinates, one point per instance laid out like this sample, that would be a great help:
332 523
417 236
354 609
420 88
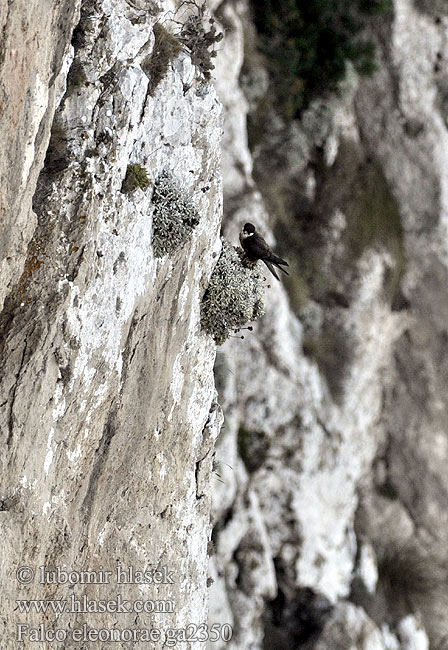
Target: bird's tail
272 270
279 263
282 269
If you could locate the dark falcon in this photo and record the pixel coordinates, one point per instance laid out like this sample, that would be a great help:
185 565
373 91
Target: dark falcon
256 248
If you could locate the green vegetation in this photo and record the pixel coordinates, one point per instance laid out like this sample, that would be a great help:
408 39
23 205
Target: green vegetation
253 447
234 297
307 45
331 351
174 218
76 76
136 177
166 48
409 577
374 219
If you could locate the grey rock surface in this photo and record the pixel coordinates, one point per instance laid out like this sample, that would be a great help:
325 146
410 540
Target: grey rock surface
329 486
335 406
108 414
34 43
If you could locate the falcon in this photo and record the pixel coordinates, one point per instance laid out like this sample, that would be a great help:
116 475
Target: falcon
256 248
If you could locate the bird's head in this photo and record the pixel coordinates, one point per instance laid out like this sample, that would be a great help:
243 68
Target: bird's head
247 231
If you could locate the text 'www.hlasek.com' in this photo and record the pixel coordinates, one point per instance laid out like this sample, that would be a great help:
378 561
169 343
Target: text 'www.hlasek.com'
70 617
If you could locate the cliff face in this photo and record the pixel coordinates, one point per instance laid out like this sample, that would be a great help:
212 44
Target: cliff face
329 483
108 404
332 518
32 48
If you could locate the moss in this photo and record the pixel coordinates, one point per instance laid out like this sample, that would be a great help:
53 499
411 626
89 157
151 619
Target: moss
166 48
253 447
174 217
235 295
136 177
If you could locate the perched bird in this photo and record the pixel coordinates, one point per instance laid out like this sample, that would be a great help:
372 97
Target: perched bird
256 248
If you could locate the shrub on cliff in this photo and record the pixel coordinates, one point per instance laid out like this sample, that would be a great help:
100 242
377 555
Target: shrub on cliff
308 44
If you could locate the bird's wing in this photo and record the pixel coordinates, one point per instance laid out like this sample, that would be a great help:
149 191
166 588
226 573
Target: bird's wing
266 251
277 260
261 246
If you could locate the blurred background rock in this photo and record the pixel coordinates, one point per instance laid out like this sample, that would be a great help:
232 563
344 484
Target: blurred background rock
330 527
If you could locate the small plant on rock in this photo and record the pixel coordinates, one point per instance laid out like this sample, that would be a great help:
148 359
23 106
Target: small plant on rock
166 48
198 34
136 177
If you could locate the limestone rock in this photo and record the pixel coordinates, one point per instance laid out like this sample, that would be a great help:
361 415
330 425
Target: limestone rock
108 417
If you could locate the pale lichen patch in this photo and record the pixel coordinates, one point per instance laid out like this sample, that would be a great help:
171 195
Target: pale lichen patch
174 217
234 297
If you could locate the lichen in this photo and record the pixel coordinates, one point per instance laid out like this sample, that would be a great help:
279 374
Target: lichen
136 176
235 295
174 217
